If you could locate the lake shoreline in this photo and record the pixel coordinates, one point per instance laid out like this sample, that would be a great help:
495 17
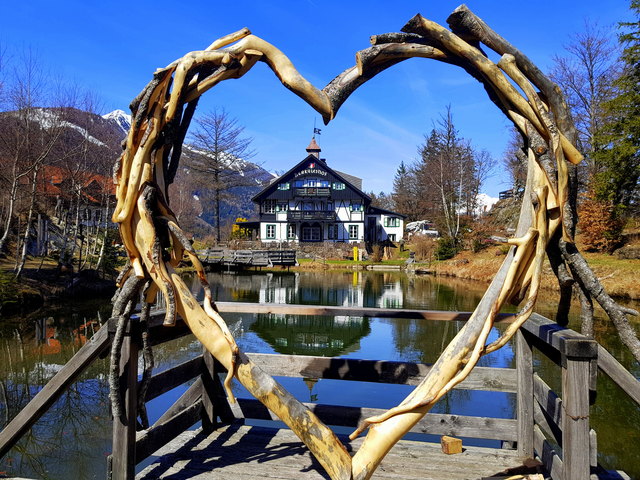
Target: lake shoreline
37 289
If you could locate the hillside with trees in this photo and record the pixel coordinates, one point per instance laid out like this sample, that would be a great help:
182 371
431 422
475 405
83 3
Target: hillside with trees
57 155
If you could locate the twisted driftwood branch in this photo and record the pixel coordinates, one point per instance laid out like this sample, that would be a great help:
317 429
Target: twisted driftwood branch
155 243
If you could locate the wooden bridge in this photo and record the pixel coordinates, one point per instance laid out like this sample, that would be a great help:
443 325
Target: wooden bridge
247 258
551 427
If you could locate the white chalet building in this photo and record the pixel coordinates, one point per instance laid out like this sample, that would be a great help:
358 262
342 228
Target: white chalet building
314 203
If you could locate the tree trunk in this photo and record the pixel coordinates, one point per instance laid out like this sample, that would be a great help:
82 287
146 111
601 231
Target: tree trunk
7 225
76 230
217 207
27 229
105 237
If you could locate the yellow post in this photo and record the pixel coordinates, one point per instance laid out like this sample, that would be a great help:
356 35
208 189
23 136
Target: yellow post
355 254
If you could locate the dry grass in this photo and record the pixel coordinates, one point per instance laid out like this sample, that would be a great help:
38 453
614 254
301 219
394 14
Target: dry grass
619 277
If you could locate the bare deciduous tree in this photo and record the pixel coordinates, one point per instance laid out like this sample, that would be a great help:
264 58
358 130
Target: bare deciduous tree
28 135
221 153
515 162
449 176
586 75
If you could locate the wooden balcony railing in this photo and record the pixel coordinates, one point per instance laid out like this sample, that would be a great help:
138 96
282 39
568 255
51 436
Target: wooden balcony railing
323 215
312 192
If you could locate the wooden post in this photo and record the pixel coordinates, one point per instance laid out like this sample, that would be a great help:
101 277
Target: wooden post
123 462
524 372
575 418
214 401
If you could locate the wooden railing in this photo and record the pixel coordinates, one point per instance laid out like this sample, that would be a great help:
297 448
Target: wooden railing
565 419
322 215
248 258
541 413
312 192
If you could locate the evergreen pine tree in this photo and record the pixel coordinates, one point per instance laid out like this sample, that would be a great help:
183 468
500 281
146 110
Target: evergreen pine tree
402 195
618 181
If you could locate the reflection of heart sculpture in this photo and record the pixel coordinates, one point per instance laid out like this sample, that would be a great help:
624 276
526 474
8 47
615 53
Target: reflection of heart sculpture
155 242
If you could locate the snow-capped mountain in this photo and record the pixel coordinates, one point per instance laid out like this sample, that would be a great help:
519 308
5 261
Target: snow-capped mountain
240 205
485 203
100 138
120 118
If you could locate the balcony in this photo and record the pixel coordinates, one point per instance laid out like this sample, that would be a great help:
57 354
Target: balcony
323 215
312 192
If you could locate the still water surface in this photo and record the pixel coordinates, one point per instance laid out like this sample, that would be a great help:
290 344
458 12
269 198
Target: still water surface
73 439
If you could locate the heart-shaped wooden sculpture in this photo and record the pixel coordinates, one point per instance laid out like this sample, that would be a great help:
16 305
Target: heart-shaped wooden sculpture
155 243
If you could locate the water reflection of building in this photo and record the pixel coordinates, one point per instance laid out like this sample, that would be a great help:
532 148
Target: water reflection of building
311 334
356 293
392 295
46 336
279 288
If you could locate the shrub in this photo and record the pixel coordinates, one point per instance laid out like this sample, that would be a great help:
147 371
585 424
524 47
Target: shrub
8 289
600 224
446 248
111 260
423 247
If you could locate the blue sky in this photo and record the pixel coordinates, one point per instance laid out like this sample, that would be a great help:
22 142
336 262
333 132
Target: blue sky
112 48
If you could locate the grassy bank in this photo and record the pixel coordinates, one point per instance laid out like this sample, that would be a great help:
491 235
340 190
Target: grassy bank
619 277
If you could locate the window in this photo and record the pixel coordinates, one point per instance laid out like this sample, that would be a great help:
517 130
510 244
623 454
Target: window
330 206
391 222
332 231
312 182
269 206
356 207
284 186
392 237
353 232
271 231
291 231
338 186
282 207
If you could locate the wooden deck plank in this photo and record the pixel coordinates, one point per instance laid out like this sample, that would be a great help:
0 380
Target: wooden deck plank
243 452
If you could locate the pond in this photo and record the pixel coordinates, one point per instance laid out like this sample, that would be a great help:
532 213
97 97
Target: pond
73 439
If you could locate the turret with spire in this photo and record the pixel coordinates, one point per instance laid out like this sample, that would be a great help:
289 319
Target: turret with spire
313 148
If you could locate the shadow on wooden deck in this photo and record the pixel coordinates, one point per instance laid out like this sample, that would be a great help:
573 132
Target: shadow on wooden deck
248 452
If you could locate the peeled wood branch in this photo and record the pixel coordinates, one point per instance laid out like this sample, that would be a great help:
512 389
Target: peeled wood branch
156 244
455 44
469 26
589 282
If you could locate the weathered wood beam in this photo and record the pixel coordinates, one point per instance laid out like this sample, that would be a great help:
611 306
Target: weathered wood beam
432 423
173 377
406 373
53 389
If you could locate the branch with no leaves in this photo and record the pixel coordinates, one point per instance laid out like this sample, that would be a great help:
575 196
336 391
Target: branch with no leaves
156 244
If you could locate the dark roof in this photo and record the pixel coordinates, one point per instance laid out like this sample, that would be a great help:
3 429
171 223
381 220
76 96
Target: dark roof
376 210
353 180
297 166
